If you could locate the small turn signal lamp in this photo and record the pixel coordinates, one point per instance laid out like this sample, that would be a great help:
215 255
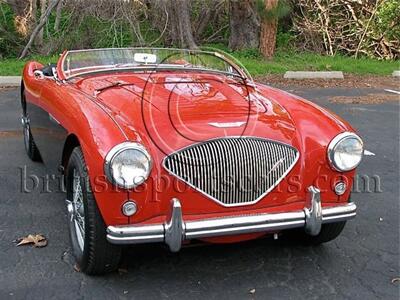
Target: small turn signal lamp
340 188
129 208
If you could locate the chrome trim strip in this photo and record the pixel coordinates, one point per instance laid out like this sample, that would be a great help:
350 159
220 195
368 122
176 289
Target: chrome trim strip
135 234
243 224
338 213
53 119
227 124
153 70
176 229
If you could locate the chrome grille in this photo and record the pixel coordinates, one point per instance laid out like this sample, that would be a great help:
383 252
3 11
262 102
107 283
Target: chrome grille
233 171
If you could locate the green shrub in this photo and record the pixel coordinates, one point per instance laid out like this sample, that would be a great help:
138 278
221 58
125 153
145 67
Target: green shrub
388 19
285 40
10 41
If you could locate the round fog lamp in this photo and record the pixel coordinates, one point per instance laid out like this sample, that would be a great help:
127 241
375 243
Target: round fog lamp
340 188
129 208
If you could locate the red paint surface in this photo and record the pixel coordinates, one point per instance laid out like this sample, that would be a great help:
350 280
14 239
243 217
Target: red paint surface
166 116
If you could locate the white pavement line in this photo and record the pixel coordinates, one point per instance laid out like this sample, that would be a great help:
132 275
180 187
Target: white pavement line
368 153
392 91
313 75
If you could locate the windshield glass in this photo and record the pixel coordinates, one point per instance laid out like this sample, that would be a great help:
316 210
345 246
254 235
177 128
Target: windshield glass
80 62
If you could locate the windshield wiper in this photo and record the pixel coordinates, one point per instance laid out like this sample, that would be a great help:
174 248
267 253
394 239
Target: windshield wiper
114 84
120 84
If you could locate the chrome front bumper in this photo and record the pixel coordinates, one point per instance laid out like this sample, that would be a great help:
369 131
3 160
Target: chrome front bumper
176 230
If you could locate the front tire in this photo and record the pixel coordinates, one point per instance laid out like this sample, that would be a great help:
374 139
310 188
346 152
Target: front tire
94 254
328 233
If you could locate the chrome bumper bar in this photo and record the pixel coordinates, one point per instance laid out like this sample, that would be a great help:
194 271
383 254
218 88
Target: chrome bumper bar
176 230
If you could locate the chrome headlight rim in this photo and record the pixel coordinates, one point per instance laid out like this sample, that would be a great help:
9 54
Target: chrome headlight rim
335 143
118 149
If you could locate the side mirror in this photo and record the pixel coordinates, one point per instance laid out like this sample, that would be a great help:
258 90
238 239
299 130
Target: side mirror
38 74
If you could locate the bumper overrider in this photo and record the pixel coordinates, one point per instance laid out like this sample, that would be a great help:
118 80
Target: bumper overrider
176 229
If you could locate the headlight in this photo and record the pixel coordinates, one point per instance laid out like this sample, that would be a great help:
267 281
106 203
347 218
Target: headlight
345 151
128 165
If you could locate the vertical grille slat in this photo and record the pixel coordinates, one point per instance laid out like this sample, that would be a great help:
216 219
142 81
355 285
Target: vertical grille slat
235 170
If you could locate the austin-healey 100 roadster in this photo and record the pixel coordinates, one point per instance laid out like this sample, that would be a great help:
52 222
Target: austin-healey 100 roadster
178 146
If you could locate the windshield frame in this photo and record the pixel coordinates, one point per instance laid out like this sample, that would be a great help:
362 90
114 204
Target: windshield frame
241 72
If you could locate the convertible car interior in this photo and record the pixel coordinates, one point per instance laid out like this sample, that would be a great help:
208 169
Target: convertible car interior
48 70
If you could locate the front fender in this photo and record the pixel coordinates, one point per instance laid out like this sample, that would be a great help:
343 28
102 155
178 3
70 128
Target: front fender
315 127
97 133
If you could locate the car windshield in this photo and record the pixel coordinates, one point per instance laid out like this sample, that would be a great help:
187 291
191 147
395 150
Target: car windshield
79 62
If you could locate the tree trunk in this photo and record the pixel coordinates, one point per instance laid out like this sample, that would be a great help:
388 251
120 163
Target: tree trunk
172 19
39 38
58 16
210 10
34 10
244 25
181 26
30 13
269 27
131 11
42 22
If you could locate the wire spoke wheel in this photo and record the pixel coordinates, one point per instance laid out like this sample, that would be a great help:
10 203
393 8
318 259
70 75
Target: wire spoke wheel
93 253
78 212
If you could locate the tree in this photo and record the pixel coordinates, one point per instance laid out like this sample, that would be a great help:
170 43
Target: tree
42 22
172 19
244 25
58 16
25 14
269 27
33 5
208 12
39 38
18 6
181 24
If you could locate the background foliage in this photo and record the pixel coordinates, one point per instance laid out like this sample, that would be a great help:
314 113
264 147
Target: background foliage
352 27
356 28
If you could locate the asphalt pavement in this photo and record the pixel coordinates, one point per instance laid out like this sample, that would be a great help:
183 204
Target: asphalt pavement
360 264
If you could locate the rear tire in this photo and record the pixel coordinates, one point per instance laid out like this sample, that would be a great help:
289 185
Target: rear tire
30 147
94 254
328 233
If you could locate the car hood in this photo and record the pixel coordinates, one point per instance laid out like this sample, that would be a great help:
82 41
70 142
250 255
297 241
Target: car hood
175 110
168 112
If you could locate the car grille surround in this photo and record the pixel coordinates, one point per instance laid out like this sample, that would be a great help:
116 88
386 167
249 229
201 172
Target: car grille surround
233 171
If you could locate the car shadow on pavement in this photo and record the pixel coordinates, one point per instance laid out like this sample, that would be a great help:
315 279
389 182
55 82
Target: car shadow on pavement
230 270
220 258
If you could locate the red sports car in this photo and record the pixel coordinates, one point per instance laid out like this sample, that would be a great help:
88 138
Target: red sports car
169 145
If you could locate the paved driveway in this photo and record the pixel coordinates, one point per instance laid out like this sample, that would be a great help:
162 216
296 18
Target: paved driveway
360 264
